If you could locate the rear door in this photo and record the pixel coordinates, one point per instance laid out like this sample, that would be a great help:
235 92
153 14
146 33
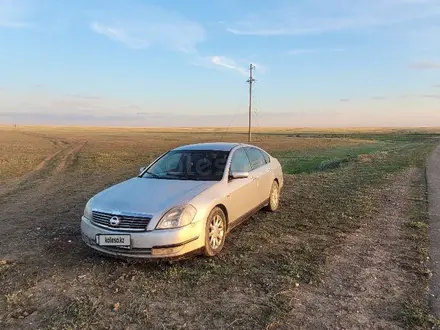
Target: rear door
261 170
242 195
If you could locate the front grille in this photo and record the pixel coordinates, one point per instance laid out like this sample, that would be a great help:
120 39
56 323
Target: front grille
127 222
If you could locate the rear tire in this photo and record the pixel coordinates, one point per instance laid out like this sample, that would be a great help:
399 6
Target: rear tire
274 198
215 232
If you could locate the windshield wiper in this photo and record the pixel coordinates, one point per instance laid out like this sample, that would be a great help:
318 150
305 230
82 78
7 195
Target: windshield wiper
178 176
153 175
168 176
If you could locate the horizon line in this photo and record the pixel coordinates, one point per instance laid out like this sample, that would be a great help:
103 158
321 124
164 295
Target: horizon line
255 129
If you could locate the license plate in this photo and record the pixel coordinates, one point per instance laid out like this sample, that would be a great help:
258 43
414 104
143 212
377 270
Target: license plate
113 240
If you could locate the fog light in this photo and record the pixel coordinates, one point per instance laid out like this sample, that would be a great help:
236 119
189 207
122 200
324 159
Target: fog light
166 251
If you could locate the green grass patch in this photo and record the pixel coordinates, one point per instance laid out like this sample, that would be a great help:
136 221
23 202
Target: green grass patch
402 149
295 162
417 225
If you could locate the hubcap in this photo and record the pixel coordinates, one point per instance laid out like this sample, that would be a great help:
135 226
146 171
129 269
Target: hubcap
274 197
216 231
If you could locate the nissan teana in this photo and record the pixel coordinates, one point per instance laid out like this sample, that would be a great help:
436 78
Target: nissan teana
187 200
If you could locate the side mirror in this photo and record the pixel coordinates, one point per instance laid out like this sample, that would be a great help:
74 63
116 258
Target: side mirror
142 169
239 175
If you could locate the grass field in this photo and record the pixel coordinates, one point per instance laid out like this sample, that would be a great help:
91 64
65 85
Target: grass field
347 249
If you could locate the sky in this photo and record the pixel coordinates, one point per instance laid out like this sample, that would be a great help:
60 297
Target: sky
318 63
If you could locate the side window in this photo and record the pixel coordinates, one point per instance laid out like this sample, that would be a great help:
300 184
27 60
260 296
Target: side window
256 157
266 157
240 161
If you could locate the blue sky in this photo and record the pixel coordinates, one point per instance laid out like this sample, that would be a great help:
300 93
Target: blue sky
184 63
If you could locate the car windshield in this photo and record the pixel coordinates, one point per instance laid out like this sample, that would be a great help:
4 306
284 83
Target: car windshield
200 165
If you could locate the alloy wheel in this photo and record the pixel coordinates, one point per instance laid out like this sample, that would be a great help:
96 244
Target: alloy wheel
216 231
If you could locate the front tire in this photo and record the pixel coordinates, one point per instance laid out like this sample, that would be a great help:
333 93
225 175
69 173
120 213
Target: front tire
215 232
274 198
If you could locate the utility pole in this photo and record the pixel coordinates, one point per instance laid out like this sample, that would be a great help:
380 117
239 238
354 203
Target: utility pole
250 81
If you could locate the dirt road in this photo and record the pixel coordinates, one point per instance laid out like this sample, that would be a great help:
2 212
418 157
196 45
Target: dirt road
352 276
433 177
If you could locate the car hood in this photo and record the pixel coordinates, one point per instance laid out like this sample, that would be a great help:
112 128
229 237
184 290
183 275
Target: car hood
147 195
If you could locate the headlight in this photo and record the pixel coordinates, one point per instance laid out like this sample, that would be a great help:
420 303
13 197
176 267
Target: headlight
88 211
177 217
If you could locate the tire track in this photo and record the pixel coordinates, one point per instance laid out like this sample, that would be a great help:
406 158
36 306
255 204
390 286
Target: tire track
54 140
69 157
51 165
365 284
46 161
26 179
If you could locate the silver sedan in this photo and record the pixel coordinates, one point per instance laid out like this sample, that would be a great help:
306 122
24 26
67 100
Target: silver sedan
187 200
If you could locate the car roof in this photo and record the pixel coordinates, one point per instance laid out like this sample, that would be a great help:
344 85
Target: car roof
218 146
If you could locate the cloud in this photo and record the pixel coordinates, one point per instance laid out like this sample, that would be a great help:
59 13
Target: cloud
119 35
37 101
378 98
419 95
143 26
294 118
76 104
260 68
430 96
14 25
425 65
130 107
154 119
322 16
48 118
14 13
437 86
313 51
227 63
153 114
344 100
84 97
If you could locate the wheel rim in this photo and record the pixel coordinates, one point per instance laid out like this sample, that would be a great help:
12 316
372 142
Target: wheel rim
274 196
216 231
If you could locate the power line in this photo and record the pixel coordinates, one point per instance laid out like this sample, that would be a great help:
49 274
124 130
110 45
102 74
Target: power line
232 120
255 109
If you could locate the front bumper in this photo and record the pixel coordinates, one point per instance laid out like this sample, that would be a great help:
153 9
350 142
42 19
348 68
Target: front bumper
165 243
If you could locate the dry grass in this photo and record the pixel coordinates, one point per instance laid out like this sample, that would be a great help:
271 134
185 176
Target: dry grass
243 130
52 281
116 148
20 153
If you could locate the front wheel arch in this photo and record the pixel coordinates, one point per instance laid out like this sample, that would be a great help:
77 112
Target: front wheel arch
225 211
272 207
